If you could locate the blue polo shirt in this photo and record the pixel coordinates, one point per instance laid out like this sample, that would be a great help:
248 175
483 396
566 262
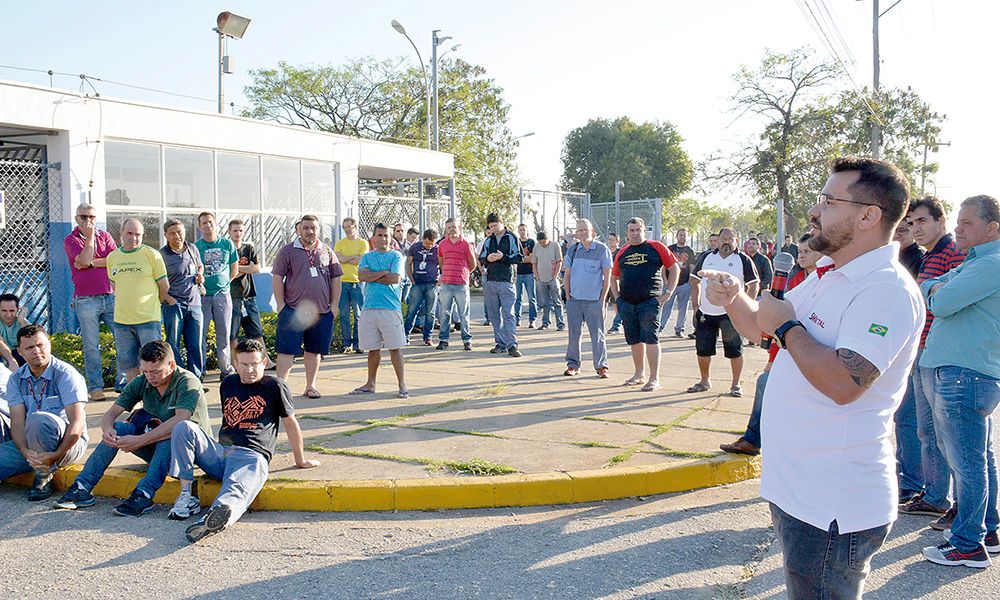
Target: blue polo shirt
586 267
59 386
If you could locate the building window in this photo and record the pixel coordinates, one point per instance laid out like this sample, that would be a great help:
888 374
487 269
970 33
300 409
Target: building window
190 178
318 188
150 222
239 181
282 189
132 174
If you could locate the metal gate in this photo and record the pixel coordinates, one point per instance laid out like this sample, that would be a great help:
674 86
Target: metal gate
423 204
25 266
608 217
553 211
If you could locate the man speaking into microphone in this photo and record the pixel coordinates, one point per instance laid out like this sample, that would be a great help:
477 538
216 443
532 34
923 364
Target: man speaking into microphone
849 340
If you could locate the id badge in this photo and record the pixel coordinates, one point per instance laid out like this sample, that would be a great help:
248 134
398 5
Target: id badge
313 272
243 309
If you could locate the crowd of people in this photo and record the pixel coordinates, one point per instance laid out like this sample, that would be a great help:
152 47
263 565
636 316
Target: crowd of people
889 320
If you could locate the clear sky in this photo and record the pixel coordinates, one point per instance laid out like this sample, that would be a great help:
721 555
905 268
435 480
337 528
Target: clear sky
560 63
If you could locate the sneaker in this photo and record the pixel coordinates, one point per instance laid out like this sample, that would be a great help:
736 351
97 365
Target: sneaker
531 324
544 326
486 323
571 372
74 498
944 523
678 334
214 521
907 496
498 349
560 327
467 346
343 350
991 542
442 346
948 555
428 343
691 336
96 396
359 351
514 352
185 506
740 446
602 373
612 330
917 506
456 327
135 506
41 487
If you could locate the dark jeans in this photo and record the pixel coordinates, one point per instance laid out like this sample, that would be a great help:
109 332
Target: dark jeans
827 564
752 434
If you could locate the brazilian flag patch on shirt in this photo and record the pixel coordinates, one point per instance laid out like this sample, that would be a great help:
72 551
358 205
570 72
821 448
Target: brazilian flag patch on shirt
879 330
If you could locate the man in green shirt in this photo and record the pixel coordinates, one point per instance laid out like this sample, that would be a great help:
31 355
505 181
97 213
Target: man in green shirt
169 395
221 261
12 318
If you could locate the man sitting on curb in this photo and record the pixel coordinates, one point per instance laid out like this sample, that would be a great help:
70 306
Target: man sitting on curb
169 395
48 423
252 405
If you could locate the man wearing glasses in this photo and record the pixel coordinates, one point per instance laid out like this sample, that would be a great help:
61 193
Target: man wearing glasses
87 249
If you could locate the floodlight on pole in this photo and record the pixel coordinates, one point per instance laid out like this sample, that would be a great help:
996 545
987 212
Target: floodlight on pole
227 25
523 135
402 31
435 42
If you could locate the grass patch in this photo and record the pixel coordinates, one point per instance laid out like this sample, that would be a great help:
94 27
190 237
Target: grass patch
658 430
493 390
620 458
476 466
621 421
285 480
457 431
713 429
594 445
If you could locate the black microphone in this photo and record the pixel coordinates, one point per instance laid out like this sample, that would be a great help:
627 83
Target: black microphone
783 264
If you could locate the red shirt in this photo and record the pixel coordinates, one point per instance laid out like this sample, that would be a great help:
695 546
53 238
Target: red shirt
454 259
638 270
940 259
92 281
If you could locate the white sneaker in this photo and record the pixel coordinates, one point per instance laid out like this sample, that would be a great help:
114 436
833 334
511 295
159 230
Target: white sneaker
185 506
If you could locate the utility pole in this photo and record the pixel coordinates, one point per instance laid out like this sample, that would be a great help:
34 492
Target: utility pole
928 144
876 141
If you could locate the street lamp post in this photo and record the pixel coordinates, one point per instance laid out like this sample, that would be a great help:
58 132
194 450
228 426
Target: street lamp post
402 31
618 205
227 25
435 42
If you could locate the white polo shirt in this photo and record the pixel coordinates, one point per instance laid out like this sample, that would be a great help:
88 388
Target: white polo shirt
737 264
823 462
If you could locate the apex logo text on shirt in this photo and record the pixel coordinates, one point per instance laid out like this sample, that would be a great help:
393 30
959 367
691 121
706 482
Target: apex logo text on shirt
633 260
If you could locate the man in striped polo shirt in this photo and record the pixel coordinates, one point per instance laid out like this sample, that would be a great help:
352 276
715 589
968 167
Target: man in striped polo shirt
929 226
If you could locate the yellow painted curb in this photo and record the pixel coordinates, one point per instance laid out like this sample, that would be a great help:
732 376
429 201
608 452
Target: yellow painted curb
534 489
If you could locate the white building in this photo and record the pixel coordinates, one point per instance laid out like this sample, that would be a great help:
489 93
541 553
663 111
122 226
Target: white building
157 162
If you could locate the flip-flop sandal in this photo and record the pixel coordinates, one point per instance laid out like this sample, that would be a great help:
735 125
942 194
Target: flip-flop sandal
632 382
404 394
650 386
736 391
698 387
359 391
313 394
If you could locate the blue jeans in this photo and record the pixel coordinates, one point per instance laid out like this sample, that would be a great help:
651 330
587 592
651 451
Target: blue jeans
242 471
129 339
936 474
616 323
527 284
90 312
752 433
591 311
964 402
908 465
550 301
181 319
459 294
218 309
43 432
498 296
157 455
351 299
682 294
404 293
825 564
423 303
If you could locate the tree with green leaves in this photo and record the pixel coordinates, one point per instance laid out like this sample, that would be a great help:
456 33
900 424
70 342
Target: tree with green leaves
648 157
807 116
385 100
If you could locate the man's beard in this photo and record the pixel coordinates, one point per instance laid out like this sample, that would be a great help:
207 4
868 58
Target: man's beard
725 249
832 238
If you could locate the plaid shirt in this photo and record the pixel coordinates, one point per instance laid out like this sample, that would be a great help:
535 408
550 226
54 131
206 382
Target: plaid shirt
944 257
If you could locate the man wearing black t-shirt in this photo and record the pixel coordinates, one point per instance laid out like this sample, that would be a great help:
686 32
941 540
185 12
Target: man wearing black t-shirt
525 283
686 258
252 405
638 288
246 314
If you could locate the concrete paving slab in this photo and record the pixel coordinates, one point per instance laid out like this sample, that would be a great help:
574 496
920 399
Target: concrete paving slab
717 420
692 440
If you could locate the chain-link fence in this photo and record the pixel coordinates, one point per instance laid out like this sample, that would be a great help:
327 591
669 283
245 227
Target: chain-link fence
401 202
607 218
25 188
554 212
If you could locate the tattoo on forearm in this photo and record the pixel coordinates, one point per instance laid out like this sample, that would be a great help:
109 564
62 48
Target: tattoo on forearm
862 372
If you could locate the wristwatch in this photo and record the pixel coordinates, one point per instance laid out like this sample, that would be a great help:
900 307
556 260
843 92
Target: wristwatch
784 328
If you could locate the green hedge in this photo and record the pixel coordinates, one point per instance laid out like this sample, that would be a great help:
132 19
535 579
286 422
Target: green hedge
69 346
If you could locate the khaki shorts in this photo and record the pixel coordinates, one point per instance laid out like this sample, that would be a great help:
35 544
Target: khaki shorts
380 327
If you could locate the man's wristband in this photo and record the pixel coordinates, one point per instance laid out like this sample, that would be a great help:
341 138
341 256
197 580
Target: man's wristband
784 328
